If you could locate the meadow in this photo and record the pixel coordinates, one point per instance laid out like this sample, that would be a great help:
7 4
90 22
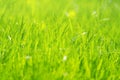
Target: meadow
59 39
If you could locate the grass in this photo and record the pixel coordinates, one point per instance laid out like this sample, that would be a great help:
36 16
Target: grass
59 40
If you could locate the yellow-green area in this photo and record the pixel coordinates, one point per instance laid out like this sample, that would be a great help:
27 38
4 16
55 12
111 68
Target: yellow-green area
59 39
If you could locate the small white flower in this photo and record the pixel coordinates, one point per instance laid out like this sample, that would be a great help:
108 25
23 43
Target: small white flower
94 13
28 57
84 33
9 37
64 58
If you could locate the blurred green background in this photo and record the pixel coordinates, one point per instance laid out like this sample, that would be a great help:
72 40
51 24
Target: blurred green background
59 39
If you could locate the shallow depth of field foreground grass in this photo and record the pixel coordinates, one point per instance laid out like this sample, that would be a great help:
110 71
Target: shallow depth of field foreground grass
59 39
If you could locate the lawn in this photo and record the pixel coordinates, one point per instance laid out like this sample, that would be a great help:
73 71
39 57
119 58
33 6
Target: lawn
59 39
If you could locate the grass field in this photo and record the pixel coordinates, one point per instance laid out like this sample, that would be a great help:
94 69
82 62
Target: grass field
59 39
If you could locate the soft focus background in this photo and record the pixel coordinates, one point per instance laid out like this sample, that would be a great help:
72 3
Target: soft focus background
59 39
